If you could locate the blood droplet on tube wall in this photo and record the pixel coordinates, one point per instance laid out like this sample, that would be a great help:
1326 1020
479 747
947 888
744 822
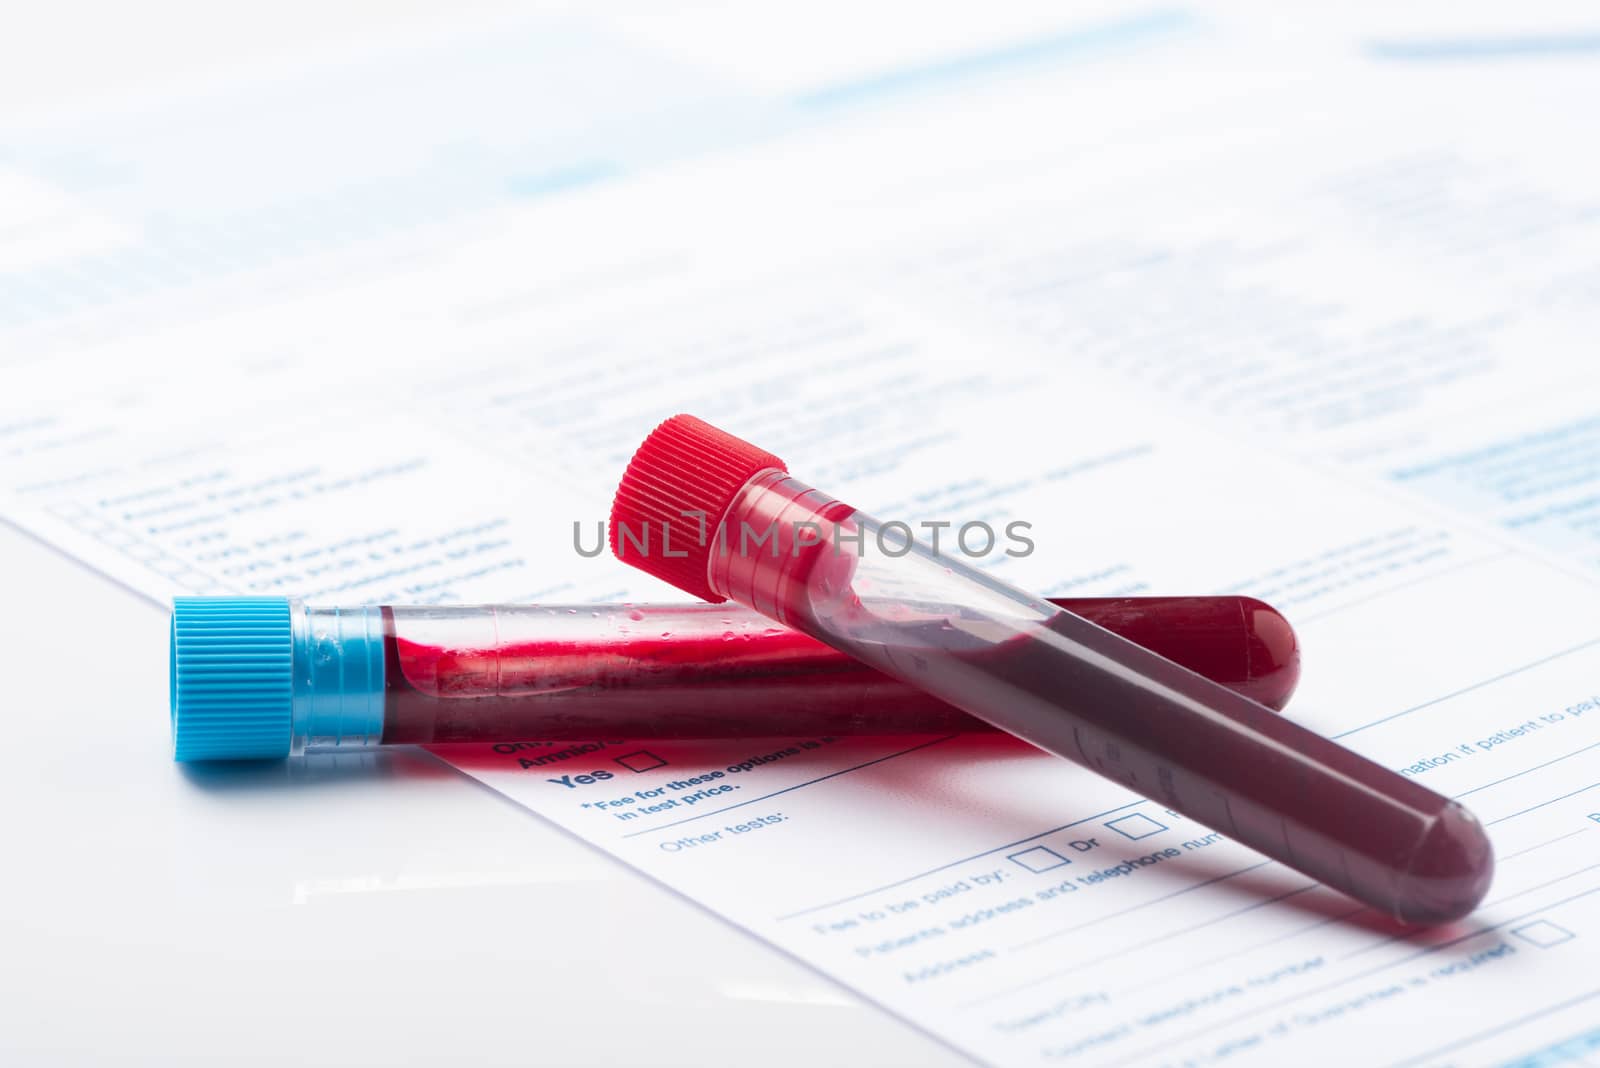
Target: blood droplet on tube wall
1046 675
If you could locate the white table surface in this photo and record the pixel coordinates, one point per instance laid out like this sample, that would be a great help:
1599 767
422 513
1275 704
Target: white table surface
389 912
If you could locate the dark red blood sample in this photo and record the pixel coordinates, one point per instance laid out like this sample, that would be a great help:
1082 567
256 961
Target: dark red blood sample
1218 758
727 673
1055 679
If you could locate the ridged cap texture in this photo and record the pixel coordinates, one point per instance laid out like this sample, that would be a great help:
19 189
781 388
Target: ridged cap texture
232 678
685 465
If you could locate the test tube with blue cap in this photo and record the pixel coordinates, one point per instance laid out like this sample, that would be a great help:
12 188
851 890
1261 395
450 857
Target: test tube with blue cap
268 677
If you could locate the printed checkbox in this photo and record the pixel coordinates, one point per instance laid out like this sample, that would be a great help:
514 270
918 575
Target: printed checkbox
1039 858
641 761
1136 826
1543 934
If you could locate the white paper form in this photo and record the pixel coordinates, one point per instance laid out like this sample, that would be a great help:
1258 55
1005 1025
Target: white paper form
942 836
432 432
1418 314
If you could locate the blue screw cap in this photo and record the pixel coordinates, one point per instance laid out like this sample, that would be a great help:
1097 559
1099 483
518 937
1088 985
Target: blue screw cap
232 678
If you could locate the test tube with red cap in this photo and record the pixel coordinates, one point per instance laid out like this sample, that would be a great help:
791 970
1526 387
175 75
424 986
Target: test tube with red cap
731 523
262 677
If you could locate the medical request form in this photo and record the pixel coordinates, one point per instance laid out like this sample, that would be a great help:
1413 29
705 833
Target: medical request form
1321 335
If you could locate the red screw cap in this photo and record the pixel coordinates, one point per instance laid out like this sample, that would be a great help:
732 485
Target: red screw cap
686 465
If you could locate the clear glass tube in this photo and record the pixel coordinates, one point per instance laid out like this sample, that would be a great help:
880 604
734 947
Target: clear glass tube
494 673
1051 677
257 677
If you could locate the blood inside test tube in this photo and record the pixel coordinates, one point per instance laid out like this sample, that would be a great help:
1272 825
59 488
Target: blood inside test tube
688 671
1052 677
